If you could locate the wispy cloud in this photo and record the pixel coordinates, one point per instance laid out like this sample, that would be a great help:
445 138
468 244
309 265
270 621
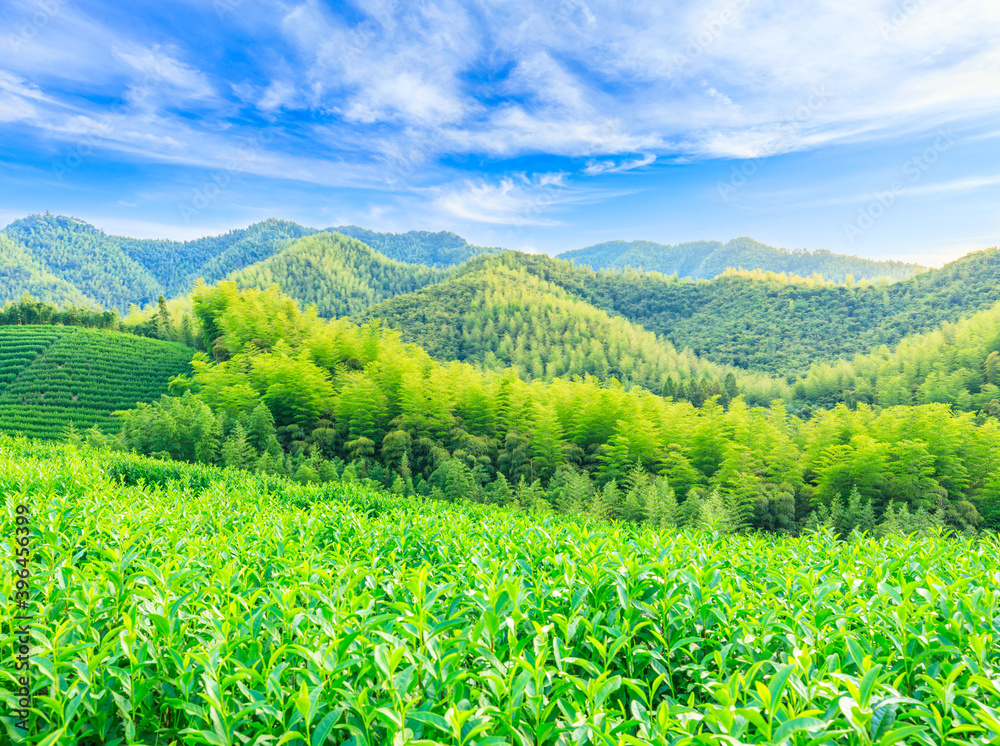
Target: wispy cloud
441 103
613 167
512 201
590 79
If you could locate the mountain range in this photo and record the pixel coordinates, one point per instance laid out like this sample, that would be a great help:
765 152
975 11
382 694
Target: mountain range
763 331
66 260
708 259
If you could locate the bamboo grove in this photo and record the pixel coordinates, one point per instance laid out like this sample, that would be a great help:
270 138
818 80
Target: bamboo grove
288 392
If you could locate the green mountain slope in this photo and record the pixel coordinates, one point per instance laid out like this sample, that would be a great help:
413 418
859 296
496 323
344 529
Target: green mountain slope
777 326
65 260
20 273
82 255
771 325
51 376
496 313
176 265
117 271
338 274
322 393
708 259
957 363
441 249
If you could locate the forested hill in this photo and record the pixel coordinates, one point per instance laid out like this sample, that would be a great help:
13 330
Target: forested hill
708 259
117 271
771 325
782 327
21 273
61 259
83 256
338 274
497 313
441 249
176 265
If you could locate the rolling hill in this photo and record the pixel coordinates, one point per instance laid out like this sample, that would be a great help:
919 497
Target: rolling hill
496 313
544 316
777 325
957 363
708 259
338 274
62 259
51 376
441 249
118 271
769 325
20 273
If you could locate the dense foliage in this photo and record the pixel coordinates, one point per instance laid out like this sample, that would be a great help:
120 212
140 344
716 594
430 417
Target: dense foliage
441 249
52 376
21 274
290 393
176 265
189 605
958 363
337 274
28 311
775 324
708 259
86 258
65 260
507 317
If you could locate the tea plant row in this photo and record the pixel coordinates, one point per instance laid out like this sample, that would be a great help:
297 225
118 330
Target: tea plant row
189 604
53 376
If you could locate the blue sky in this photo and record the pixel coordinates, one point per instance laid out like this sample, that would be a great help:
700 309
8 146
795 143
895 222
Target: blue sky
858 126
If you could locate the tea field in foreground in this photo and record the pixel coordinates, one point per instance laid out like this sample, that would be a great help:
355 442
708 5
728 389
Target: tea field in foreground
183 604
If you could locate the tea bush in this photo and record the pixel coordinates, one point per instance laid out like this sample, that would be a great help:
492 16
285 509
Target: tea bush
220 608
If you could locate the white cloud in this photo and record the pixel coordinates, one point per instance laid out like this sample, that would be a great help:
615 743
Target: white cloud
160 72
593 168
518 200
279 94
389 96
21 100
513 201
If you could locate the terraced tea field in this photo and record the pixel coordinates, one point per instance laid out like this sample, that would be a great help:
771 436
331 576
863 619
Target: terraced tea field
51 376
188 605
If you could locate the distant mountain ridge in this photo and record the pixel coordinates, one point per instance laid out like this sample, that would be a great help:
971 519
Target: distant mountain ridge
709 259
338 274
63 259
769 326
441 249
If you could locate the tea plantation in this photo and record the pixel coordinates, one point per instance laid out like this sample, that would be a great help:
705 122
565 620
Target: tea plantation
189 605
53 375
